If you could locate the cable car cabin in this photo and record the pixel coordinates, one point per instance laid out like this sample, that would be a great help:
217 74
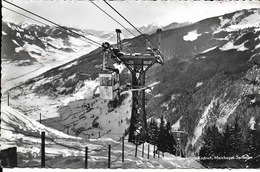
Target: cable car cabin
109 85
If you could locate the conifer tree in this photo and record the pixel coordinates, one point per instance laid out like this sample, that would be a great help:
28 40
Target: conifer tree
211 147
224 149
206 149
148 137
253 150
152 132
170 143
162 136
232 142
235 139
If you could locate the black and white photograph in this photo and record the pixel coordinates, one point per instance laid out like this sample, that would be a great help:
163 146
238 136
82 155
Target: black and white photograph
132 84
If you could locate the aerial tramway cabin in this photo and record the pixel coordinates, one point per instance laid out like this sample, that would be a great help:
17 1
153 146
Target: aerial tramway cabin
109 84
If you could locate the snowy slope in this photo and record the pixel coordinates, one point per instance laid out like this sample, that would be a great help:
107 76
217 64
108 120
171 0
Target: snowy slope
76 113
64 151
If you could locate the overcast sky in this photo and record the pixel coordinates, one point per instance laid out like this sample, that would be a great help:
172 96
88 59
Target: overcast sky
84 14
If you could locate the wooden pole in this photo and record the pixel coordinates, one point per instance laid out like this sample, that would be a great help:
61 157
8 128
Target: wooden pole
8 96
109 153
40 118
43 150
143 150
123 148
136 150
86 157
154 150
98 134
148 150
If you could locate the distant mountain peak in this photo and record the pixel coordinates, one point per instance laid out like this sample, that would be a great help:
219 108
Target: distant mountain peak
26 24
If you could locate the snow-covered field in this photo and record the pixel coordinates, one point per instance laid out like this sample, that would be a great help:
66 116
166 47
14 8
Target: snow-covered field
64 151
236 23
191 36
14 74
78 113
230 45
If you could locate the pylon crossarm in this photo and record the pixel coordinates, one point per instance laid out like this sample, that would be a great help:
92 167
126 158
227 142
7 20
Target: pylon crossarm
159 57
134 88
150 65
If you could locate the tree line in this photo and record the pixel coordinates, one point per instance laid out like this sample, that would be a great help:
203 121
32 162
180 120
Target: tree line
231 148
160 136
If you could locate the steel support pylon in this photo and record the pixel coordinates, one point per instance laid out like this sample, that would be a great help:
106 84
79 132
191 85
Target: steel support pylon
138 124
138 64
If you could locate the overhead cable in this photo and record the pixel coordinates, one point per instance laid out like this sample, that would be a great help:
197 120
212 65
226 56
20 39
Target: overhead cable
41 23
23 15
115 21
65 28
112 18
128 22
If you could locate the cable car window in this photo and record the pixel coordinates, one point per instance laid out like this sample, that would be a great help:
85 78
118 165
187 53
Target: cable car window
105 81
109 82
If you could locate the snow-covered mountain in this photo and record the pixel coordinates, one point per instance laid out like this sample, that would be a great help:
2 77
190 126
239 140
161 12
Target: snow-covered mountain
210 76
146 29
29 49
31 42
111 36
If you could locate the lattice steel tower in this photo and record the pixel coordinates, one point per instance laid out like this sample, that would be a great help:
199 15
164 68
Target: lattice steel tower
138 64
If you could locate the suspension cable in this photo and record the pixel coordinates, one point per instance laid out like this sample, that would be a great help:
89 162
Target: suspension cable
23 15
112 18
65 28
129 22
45 24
